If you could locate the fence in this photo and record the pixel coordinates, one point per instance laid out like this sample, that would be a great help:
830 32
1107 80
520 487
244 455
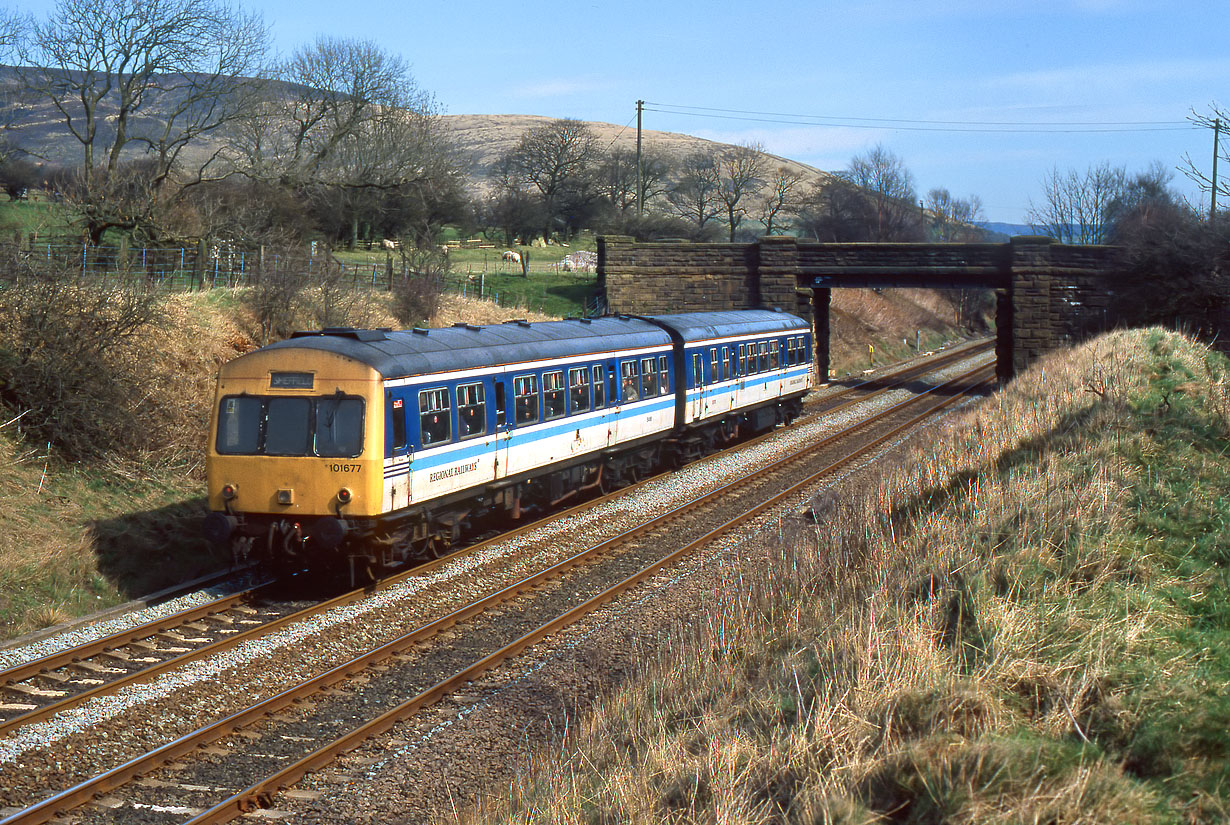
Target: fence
222 265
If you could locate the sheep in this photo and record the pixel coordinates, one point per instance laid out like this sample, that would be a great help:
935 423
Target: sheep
512 257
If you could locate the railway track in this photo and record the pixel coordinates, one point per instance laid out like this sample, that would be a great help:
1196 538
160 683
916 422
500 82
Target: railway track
268 730
38 689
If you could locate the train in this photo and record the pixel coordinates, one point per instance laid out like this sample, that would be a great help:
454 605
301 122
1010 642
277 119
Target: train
373 447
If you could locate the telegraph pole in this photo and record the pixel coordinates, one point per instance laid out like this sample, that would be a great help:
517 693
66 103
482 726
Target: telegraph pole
1213 191
640 207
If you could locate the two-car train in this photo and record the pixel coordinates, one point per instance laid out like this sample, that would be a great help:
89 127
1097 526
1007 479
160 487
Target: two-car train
378 446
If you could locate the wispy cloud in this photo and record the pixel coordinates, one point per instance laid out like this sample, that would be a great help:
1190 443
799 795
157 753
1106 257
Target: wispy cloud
560 88
1091 78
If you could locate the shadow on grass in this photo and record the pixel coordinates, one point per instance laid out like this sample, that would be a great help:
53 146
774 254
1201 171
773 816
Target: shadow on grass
141 553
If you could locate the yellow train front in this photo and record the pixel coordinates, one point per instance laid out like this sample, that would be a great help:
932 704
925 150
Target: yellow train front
295 456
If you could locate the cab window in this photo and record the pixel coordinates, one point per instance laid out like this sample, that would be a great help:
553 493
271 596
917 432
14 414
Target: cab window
339 427
239 425
435 419
330 426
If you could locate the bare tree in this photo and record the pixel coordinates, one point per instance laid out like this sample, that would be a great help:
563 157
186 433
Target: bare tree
738 176
1217 117
555 160
142 79
694 194
353 129
835 211
617 179
779 197
1076 207
954 220
889 187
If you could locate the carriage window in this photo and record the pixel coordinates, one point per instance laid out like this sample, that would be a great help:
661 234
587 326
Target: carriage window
553 394
773 355
663 375
578 389
743 359
714 370
649 377
725 363
764 357
629 383
599 388
471 410
397 422
339 427
435 424
525 398
697 378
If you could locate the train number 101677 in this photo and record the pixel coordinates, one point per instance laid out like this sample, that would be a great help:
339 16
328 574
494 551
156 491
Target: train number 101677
343 468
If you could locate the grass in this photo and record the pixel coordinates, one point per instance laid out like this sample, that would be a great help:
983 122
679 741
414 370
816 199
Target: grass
1024 620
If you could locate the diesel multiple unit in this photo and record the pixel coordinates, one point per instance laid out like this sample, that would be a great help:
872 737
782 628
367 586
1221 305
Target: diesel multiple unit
378 445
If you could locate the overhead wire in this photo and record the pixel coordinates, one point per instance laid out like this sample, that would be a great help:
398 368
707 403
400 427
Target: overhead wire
904 124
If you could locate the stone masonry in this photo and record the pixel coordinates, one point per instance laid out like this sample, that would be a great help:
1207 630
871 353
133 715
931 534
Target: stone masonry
1050 294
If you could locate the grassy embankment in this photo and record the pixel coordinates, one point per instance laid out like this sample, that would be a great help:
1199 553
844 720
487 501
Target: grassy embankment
1026 620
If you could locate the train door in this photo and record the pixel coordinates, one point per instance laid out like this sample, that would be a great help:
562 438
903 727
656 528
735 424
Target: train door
696 380
399 453
628 393
603 400
503 425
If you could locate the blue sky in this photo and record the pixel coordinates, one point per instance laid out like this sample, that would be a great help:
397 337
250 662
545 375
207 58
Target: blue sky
965 62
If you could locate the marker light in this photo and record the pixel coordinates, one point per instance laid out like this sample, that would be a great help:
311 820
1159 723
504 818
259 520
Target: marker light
344 495
229 492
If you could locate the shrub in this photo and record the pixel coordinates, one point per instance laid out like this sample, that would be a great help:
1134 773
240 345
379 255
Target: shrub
66 360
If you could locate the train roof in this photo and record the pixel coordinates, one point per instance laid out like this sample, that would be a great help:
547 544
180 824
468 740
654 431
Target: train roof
400 353
702 326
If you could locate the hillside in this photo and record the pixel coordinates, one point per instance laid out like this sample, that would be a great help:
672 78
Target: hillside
483 138
37 128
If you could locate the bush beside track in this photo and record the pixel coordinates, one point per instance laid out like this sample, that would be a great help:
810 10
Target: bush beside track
1024 619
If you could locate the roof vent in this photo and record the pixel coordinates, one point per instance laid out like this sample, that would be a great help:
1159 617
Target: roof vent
343 332
419 331
471 327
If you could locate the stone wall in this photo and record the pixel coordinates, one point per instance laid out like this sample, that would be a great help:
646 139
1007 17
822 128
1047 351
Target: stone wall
1050 294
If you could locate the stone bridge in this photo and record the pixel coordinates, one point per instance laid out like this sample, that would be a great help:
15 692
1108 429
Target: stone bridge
1048 294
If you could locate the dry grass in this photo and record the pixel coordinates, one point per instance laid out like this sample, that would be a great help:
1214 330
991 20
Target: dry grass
1022 621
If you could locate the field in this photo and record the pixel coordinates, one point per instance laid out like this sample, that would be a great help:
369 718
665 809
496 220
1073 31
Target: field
479 272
